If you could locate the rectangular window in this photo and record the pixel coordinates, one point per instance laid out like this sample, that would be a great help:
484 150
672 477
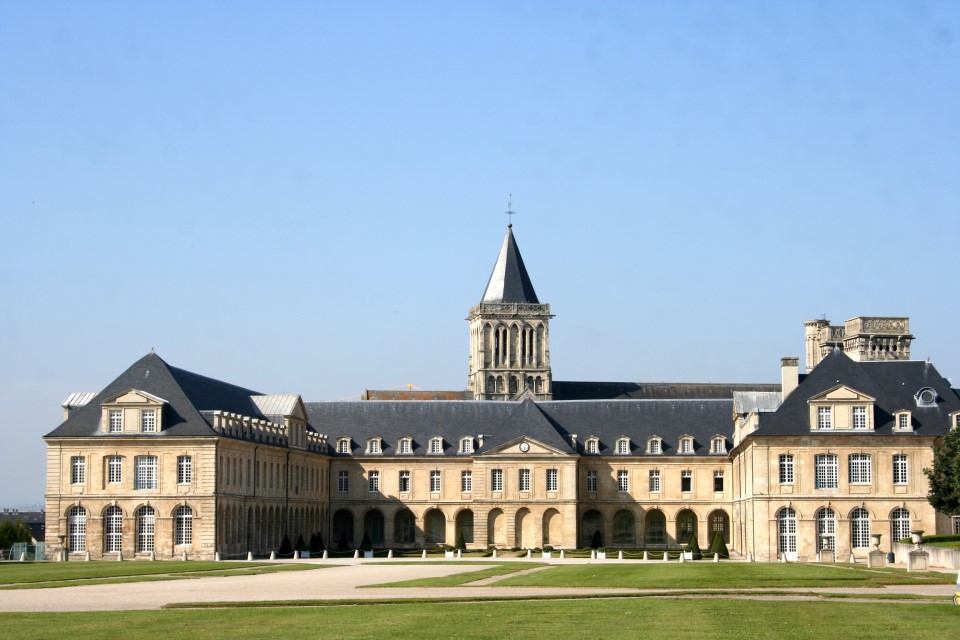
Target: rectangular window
116 421
78 470
859 417
591 481
375 445
860 468
899 468
552 480
524 479
623 446
466 445
114 469
655 446
145 476
434 482
686 481
718 480
655 481
591 446
786 468
826 471
719 445
404 481
686 445
373 481
956 525
148 420
496 479
436 445
903 421
343 481
824 418
623 481
405 446
184 469
466 481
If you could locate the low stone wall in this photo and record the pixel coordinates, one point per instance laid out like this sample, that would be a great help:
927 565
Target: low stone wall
939 556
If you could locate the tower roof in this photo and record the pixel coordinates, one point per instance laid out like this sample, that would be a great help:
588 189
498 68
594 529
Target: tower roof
509 281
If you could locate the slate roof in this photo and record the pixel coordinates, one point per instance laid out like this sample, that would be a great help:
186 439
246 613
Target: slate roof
188 394
509 281
892 383
415 394
564 390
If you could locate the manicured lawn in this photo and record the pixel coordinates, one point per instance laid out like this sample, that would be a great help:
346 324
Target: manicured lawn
664 619
18 575
484 570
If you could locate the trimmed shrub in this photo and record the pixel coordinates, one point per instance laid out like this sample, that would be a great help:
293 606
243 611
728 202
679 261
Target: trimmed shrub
461 543
365 544
343 544
285 548
596 541
694 547
718 546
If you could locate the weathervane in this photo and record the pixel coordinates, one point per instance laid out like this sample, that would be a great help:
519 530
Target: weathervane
510 212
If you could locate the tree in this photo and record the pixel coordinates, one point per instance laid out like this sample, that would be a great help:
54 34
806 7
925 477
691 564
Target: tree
944 477
11 532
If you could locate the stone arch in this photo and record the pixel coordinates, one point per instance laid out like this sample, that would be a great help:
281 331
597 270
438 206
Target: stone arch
718 522
591 522
342 529
404 527
624 528
552 527
112 517
497 528
146 522
373 526
655 527
524 534
787 533
464 525
687 525
434 527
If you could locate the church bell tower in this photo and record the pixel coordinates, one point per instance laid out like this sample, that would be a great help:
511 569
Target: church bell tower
510 334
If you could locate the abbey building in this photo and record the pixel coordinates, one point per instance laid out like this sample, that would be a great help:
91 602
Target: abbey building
163 461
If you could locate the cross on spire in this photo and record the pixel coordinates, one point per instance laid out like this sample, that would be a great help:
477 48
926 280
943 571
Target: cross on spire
510 212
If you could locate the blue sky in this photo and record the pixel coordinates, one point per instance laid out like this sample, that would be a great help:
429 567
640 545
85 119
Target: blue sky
308 197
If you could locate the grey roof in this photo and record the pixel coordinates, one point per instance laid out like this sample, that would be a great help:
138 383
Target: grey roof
277 405
77 399
564 390
892 384
509 281
186 393
746 402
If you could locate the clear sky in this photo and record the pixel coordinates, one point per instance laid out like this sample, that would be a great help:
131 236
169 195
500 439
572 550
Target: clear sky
307 197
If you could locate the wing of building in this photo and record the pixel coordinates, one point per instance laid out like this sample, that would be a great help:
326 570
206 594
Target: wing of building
163 461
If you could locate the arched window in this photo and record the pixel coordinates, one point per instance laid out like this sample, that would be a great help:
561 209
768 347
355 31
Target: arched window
624 527
466 445
860 528
434 527
718 445
464 526
183 525
655 445
373 446
686 526
112 529
787 533
404 527
656 528
343 445
373 526
146 523
899 524
623 446
436 445
686 444
826 529
77 528
591 445
404 445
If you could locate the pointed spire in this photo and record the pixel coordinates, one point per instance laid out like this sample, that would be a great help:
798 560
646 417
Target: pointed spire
509 281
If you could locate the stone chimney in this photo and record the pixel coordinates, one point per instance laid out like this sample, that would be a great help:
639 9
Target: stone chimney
789 376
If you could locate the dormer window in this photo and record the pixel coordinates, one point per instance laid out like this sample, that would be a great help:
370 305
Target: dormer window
655 445
592 445
116 421
374 446
623 446
860 417
404 445
436 445
926 397
148 420
343 445
466 445
718 445
955 420
902 421
686 444
824 418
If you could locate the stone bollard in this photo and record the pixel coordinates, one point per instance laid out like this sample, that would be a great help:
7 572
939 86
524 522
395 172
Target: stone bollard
494 553
666 556
681 556
153 556
529 553
459 553
216 557
646 556
716 557
325 554
184 556
390 553
356 553
296 554
593 554
23 556
853 558
249 556
119 556
563 554
749 556
273 554
620 555
86 556
782 557
423 554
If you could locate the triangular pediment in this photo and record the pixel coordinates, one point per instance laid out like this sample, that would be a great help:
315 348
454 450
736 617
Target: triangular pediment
134 396
524 446
841 393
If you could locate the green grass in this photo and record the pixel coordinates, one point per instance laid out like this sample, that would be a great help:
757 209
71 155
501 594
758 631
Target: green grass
30 575
666 619
463 578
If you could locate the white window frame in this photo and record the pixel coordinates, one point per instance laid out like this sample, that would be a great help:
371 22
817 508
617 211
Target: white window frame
900 468
623 481
860 468
435 485
374 446
902 421
146 523
145 473
113 529
718 445
826 471
860 528
860 421
591 446
553 480
654 481
436 446
623 446
686 480
686 444
466 445
404 481
899 524
523 480
466 482
373 481
786 468
717 475
148 421
78 470
184 469
115 418
955 521
824 418
405 446
592 481
182 525
114 469
343 481
496 480
77 529
655 446
343 445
